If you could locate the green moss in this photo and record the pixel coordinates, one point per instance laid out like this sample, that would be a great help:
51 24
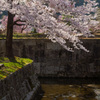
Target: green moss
24 36
11 65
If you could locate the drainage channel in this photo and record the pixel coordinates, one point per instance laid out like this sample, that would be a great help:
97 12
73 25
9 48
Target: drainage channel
69 89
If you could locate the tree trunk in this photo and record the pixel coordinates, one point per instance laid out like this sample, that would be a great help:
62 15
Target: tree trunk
9 49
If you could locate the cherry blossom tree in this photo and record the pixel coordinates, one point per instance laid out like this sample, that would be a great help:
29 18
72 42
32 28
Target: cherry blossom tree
71 23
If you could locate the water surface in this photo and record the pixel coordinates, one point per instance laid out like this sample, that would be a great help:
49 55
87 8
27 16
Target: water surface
70 89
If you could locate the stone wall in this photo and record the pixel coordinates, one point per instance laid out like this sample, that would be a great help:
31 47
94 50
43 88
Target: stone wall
50 59
21 85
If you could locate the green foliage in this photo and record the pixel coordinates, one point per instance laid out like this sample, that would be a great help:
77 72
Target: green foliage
24 36
11 65
67 16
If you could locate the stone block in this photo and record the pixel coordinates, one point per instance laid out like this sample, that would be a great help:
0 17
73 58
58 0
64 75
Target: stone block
53 46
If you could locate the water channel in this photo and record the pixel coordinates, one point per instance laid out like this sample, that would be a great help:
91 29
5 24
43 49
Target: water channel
70 89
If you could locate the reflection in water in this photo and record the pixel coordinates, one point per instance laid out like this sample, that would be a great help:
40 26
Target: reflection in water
58 91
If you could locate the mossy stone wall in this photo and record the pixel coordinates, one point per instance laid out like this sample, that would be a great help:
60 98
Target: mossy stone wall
50 59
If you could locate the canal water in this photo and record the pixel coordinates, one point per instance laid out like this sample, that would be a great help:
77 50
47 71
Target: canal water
69 89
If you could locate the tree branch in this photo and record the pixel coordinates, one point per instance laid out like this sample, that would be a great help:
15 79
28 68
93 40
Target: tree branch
19 24
15 22
23 29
